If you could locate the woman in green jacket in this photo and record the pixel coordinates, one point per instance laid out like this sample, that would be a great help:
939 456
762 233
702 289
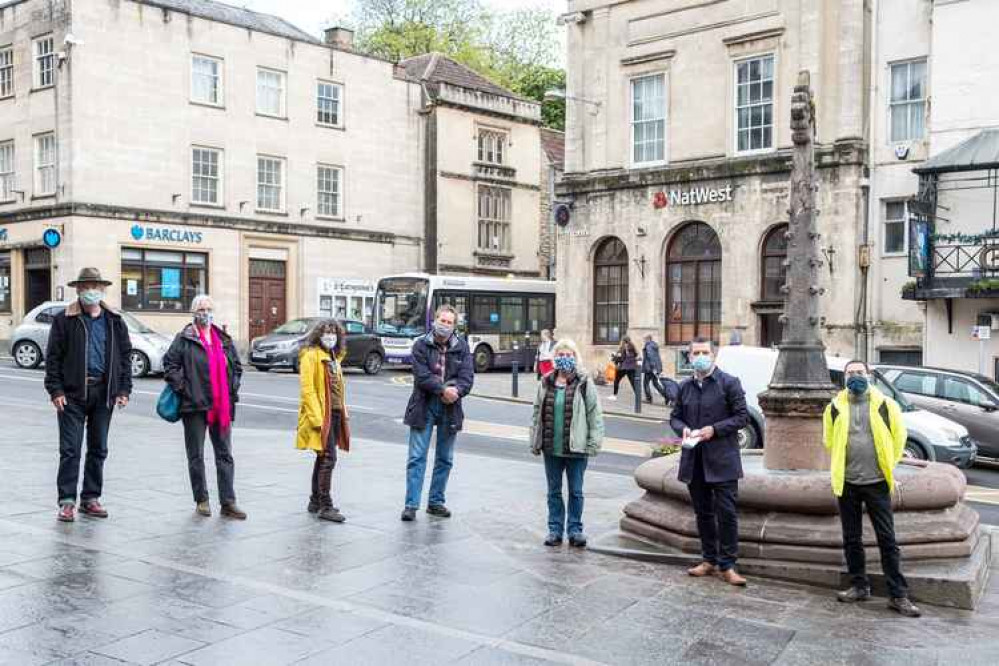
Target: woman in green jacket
568 428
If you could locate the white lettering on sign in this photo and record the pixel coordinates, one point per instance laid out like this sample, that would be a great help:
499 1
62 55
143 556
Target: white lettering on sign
356 287
574 233
694 196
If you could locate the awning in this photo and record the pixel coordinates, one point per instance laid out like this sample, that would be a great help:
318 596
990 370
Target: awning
978 153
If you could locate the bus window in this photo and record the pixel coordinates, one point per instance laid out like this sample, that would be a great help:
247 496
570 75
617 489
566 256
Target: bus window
485 314
540 313
512 314
459 301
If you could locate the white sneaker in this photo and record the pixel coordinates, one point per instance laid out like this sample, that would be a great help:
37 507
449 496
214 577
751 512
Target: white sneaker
613 397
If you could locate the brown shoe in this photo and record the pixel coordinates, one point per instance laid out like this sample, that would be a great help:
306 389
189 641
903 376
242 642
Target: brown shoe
732 577
701 570
204 509
230 510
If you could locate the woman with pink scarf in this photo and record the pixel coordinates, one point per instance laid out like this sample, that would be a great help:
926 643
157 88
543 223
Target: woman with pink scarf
202 366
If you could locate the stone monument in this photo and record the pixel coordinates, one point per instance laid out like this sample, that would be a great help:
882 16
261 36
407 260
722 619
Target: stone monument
789 525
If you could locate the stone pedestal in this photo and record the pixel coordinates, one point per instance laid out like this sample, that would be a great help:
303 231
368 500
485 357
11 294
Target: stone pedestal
794 428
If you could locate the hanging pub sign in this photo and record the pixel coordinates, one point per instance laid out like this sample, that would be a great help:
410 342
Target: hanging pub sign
919 246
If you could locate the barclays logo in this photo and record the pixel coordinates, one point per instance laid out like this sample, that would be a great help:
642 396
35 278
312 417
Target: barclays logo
166 234
137 232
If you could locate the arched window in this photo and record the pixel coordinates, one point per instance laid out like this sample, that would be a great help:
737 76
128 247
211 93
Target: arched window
610 292
693 284
774 252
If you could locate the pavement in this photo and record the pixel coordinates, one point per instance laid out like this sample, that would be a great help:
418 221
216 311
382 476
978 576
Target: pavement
155 584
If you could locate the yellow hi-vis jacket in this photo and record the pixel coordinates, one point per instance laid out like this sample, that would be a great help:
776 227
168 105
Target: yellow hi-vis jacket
886 425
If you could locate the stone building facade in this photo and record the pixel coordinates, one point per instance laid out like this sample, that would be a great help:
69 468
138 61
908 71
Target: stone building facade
677 167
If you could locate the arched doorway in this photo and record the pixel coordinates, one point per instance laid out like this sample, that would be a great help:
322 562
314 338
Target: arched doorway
610 292
693 284
773 274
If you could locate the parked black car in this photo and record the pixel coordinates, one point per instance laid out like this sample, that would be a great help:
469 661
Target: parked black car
279 348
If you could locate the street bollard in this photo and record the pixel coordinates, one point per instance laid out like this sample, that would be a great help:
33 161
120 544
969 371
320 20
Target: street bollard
515 389
638 397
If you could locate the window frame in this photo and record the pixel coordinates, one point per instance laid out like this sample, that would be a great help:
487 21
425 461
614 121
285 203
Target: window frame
500 144
282 113
8 179
922 376
782 227
904 252
282 185
625 271
338 103
772 55
37 67
219 178
6 304
504 224
339 214
37 189
7 71
924 100
715 264
631 119
220 87
143 264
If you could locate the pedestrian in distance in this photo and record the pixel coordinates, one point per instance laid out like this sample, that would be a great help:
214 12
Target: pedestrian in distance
322 411
652 367
203 368
626 363
87 374
709 412
863 431
567 426
544 360
443 374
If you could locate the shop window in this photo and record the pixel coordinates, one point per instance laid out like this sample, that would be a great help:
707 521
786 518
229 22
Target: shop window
754 104
693 285
907 101
610 292
206 80
162 281
774 273
648 119
896 215
270 92
329 98
44 74
5 282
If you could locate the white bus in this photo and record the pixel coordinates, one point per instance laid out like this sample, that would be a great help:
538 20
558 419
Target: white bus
494 314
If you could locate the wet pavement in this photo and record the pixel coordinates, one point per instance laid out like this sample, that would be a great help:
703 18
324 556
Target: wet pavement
155 584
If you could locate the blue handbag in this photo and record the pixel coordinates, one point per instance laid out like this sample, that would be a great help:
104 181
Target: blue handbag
168 405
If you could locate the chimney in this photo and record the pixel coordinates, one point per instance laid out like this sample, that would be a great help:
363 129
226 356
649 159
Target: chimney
340 38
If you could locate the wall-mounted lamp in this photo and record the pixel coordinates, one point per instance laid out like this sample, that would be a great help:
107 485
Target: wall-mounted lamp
242 204
830 254
640 231
175 197
640 265
303 210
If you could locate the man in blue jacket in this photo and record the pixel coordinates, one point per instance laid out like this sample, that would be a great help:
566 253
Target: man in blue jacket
442 375
652 367
710 411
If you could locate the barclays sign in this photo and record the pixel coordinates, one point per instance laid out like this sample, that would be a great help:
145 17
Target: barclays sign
166 234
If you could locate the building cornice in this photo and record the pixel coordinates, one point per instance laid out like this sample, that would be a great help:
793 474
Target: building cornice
837 155
149 216
502 182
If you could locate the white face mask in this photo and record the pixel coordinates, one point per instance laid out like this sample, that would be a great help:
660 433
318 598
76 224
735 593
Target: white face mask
328 341
91 296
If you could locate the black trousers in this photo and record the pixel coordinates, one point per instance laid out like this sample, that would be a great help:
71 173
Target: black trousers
652 378
195 427
322 469
621 374
876 497
92 417
717 518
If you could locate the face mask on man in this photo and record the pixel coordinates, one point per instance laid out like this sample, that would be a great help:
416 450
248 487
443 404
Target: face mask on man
443 330
328 341
702 364
203 319
857 384
566 364
91 296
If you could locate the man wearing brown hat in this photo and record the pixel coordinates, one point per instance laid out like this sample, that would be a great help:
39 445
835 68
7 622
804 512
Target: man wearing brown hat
87 373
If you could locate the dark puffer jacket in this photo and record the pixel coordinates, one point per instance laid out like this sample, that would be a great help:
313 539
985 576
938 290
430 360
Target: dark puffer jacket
548 415
458 372
186 370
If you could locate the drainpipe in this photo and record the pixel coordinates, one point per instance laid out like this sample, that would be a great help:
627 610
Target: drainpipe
429 182
865 337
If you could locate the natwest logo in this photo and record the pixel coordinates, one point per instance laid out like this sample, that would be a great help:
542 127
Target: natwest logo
691 197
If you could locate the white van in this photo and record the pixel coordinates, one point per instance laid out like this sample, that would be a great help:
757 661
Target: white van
931 437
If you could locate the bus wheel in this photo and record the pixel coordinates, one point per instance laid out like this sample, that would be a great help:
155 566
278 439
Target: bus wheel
483 358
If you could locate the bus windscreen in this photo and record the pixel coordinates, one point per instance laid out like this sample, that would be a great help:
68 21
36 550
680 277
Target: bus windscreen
401 307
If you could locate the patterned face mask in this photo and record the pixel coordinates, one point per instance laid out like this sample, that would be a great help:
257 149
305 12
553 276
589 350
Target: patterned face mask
566 364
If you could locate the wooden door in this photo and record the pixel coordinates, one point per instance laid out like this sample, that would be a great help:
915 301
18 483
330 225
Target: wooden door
38 278
267 296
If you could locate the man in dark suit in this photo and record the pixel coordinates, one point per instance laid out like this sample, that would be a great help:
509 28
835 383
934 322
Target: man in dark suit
710 411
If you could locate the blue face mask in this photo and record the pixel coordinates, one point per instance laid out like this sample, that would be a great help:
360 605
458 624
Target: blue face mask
857 385
566 364
702 364
91 296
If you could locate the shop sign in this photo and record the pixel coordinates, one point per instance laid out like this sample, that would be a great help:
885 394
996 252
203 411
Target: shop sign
166 234
694 196
346 286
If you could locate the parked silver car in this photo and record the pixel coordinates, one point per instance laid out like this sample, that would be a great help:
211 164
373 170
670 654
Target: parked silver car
31 338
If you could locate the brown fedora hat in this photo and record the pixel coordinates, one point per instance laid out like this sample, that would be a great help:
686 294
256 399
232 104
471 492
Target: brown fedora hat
89 274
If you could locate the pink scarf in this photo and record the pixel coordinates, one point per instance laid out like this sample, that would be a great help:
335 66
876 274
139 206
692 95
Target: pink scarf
221 412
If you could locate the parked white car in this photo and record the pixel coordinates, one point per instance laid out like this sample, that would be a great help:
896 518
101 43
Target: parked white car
931 437
31 338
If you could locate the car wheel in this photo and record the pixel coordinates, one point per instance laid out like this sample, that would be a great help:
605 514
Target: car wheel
261 368
139 363
913 451
27 355
748 438
483 358
373 363
294 366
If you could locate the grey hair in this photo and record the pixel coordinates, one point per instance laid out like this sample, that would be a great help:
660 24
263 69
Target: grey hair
446 307
565 344
199 299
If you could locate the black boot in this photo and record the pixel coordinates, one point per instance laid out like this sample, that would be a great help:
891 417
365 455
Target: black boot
314 497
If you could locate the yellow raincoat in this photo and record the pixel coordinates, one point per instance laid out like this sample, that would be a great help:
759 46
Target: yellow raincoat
312 409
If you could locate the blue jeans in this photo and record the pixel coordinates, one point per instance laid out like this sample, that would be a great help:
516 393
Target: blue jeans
573 469
419 446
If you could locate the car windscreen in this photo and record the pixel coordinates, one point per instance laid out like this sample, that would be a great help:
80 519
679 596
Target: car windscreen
134 325
294 327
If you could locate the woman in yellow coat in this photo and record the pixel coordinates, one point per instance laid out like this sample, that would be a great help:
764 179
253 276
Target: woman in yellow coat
322 411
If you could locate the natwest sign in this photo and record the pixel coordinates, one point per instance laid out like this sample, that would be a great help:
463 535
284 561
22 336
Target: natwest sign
691 197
